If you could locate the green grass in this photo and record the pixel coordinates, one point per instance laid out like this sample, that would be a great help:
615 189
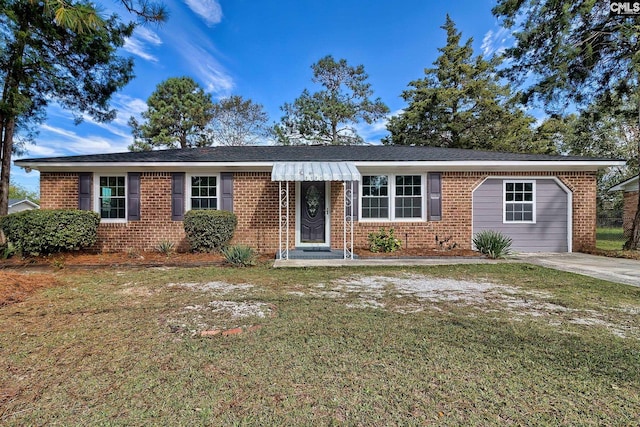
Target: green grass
609 238
117 348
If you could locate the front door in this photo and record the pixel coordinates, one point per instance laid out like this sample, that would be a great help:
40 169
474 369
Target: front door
312 212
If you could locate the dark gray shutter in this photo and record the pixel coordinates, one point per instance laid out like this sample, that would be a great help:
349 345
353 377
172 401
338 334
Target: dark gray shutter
84 191
355 199
133 196
434 201
177 196
226 191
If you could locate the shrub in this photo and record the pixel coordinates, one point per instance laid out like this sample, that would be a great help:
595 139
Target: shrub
239 255
492 243
209 230
384 241
41 231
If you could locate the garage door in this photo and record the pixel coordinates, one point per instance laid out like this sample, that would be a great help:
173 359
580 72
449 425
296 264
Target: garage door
533 212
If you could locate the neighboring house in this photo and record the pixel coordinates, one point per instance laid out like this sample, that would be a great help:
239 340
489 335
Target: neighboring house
321 197
18 205
630 202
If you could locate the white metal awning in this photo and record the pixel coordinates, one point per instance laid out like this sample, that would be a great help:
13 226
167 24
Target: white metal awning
315 171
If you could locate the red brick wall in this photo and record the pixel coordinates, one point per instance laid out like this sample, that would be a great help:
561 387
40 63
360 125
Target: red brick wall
155 223
256 201
629 211
583 186
58 190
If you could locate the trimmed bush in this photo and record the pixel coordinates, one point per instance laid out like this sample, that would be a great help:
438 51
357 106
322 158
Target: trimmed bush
492 243
384 241
239 255
44 231
209 230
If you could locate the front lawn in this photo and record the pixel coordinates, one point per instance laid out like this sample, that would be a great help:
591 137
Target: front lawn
610 238
506 344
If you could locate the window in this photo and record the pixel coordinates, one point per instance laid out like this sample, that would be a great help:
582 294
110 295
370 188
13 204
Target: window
112 197
519 201
375 197
408 196
204 192
391 197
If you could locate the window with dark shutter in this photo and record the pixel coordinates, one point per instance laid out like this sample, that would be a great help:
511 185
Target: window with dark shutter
177 196
434 200
226 191
133 196
84 191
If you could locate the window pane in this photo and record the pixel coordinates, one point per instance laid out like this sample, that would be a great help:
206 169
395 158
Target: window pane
203 192
112 197
375 200
408 201
518 201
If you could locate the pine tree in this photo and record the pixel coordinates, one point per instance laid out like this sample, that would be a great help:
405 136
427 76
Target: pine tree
575 52
460 103
329 115
177 116
42 62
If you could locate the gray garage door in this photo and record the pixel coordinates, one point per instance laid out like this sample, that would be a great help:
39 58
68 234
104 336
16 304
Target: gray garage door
549 233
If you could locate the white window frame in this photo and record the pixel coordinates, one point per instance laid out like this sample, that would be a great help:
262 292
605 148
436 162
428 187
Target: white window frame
532 203
391 179
96 198
188 189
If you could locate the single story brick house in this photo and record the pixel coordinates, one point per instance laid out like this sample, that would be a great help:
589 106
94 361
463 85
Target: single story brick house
331 197
630 202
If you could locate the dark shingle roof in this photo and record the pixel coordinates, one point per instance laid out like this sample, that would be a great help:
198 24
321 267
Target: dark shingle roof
307 153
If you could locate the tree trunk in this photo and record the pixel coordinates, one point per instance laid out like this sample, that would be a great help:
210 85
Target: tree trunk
334 133
5 166
634 238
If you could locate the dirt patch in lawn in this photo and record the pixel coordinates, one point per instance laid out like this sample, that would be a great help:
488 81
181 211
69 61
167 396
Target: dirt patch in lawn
15 287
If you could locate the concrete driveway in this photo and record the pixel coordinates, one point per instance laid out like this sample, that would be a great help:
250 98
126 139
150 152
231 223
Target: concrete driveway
617 270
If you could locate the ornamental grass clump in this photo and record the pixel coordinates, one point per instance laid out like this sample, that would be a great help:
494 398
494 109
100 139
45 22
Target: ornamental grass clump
239 255
492 244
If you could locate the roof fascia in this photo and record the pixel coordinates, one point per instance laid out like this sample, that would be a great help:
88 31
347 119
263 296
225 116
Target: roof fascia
630 184
485 165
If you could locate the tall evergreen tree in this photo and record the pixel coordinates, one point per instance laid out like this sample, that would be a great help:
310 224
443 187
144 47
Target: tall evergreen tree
329 115
43 62
460 103
177 116
575 52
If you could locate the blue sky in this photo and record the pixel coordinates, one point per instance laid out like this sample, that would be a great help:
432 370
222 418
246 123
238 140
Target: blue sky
263 50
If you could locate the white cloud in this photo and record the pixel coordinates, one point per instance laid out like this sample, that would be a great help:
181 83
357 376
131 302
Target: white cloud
209 10
206 68
36 150
138 44
126 107
56 141
495 41
147 35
